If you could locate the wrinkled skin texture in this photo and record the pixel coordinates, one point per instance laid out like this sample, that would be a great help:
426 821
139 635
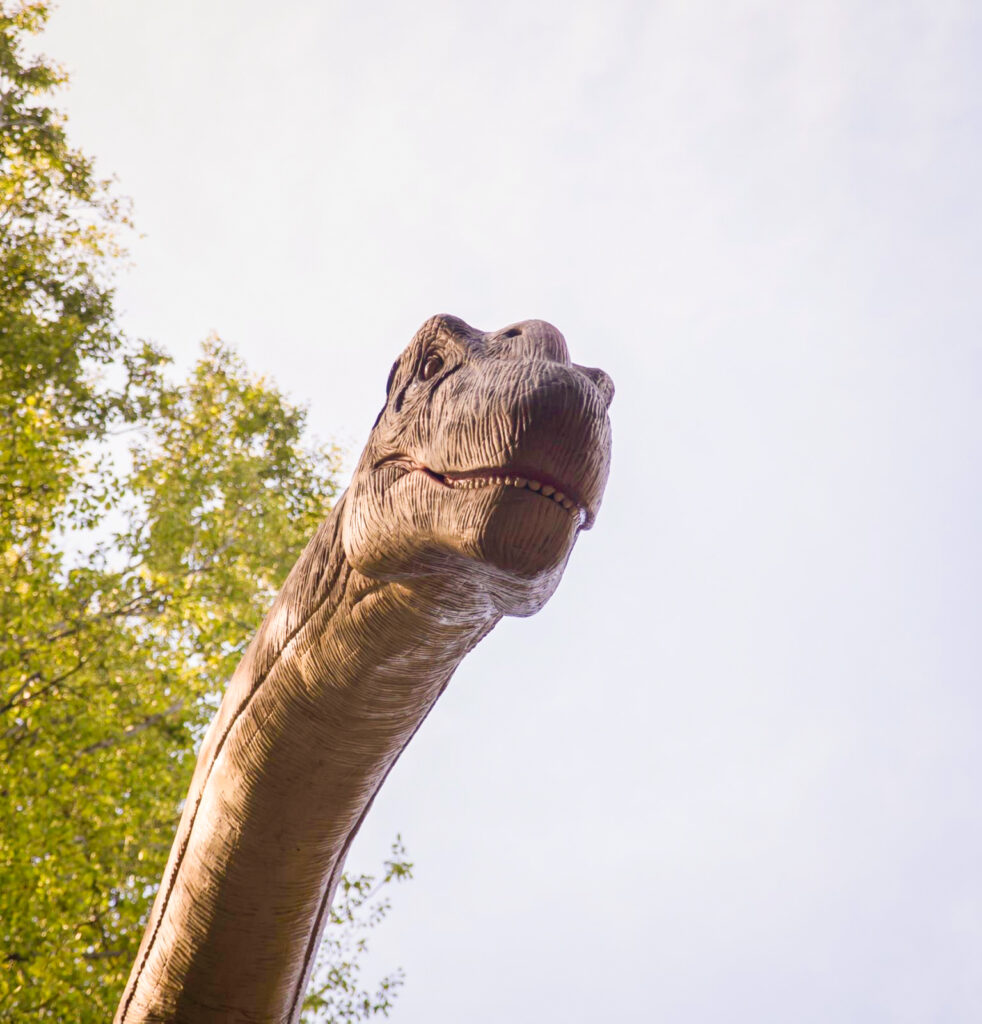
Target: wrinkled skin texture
489 456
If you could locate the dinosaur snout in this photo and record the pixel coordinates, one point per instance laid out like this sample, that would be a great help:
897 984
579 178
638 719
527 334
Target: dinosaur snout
537 340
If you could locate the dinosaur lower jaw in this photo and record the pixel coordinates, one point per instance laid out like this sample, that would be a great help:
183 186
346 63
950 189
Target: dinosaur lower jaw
520 479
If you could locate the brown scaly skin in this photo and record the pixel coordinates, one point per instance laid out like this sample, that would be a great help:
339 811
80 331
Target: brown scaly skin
450 522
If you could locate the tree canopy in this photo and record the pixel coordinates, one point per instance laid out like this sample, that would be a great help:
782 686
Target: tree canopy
145 526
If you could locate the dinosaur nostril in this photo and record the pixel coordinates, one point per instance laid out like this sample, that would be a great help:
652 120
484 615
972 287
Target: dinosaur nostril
530 339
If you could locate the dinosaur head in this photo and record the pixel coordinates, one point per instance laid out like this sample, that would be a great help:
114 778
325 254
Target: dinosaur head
490 455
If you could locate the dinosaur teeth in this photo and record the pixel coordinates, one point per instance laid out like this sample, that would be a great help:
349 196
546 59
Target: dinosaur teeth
471 482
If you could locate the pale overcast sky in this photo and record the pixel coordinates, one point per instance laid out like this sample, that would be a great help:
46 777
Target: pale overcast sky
732 771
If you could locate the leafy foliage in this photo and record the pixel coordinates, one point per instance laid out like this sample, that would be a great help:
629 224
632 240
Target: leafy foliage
334 995
131 574
114 659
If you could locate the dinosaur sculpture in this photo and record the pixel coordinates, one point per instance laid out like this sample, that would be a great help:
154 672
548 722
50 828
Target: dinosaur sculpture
490 455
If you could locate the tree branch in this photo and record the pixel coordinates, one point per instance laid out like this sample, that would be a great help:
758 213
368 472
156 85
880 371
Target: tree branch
133 730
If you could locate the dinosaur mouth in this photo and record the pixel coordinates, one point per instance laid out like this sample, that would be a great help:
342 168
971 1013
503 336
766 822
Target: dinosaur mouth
517 477
507 477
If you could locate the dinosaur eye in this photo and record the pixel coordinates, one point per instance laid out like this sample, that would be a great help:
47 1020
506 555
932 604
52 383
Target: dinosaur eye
432 365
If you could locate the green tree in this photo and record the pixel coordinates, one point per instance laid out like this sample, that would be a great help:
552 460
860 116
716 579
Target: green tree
145 526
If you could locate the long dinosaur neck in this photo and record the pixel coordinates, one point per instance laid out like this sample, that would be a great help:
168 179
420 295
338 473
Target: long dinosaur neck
341 674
